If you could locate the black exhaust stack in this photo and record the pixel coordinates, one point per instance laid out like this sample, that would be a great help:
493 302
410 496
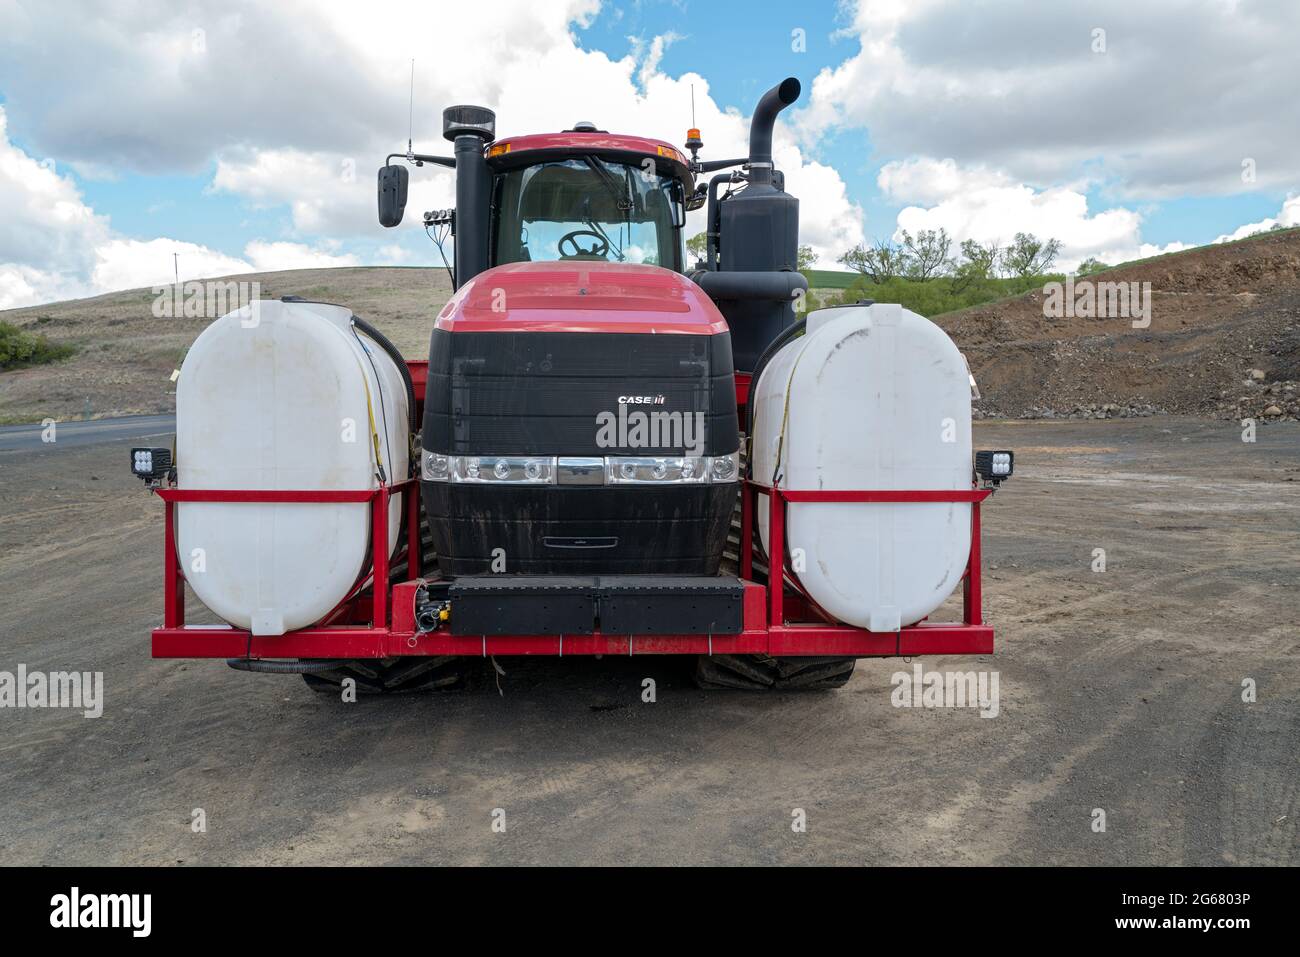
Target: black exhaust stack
760 128
754 278
471 128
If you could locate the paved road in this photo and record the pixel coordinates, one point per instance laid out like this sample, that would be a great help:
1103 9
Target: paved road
90 432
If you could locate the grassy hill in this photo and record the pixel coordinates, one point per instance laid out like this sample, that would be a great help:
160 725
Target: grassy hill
1219 314
124 356
820 279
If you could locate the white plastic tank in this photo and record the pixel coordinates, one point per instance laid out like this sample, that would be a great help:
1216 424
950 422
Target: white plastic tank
870 397
280 395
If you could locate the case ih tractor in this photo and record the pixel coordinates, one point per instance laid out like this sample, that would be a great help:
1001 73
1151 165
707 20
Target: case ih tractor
610 451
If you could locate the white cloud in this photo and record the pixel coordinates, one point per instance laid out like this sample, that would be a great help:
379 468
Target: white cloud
48 228
392 254
15 289
288 123
54 246
1184 91
25 286
653 54
926 180
621 95
309 183
828 220
130 263
1288 216
159 85
988 206
328 194
267 257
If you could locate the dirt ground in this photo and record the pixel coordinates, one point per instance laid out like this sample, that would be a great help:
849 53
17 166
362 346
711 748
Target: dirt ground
1217 314
1119 690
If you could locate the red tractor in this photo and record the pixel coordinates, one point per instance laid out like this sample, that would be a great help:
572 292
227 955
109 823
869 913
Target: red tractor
582 480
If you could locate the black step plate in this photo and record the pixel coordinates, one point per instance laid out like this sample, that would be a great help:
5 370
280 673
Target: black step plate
573 605
659 605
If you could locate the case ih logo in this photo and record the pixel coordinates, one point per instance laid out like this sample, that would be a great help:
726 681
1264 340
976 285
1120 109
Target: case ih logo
640 400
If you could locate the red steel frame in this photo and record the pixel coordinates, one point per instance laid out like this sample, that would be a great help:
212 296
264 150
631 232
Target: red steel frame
775 621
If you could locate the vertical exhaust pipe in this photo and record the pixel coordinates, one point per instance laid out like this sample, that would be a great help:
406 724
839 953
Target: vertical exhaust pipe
471 128
760 128
754 231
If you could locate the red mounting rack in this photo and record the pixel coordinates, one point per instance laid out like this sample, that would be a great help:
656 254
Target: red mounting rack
776 621
177 640
969 637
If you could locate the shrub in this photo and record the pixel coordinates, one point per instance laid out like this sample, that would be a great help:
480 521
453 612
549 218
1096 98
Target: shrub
19 348
933 297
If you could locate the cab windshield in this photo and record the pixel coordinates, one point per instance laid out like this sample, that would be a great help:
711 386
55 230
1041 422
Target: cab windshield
588 209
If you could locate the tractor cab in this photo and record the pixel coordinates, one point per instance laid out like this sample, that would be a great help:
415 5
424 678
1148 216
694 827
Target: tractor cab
587 196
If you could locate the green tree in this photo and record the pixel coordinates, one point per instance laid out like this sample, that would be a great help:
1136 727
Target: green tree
928 253
979 263
1089 266
698 245
1030 256
880 263
807 258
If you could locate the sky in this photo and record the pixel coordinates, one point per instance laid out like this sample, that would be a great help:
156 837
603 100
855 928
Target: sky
212 137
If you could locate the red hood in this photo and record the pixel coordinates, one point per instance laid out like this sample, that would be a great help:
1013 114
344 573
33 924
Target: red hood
581 297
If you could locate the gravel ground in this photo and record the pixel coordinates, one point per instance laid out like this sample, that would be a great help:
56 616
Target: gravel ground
1119 690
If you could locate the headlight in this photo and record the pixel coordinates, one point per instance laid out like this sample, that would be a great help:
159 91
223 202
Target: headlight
435 467
655 470
489 469
724 468
503 469
610 470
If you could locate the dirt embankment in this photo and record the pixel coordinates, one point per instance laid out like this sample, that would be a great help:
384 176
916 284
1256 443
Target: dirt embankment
1223 341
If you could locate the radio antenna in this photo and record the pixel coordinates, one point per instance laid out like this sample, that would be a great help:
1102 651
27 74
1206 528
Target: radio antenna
692 106
410 113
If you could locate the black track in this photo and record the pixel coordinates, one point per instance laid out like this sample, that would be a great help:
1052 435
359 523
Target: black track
394 676
761 673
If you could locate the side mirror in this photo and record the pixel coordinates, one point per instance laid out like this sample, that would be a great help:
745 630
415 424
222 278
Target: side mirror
677 202
392 194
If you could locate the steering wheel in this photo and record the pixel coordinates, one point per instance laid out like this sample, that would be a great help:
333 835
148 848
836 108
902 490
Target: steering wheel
599 246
